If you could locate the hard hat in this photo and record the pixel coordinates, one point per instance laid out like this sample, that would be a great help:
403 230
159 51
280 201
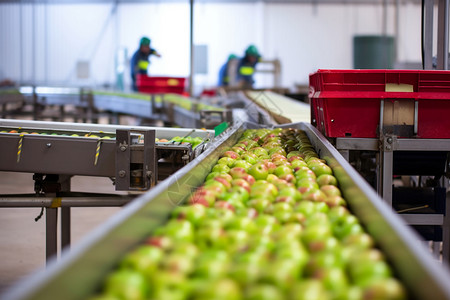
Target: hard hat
232 56
145 41
252 51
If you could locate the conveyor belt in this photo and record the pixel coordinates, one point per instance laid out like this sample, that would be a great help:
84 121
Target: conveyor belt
93 151
281 108
80 272
179 110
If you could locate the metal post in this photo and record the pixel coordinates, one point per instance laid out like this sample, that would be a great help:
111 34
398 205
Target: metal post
396 29
64 180
51 219
442 36
387 159
446 231
191 42
384 19
65 227
345 153
428 34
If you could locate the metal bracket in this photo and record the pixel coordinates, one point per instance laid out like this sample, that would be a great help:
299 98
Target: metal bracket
388 143
136 163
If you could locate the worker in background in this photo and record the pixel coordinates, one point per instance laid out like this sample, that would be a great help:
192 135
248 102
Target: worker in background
140 59
224 72
246 67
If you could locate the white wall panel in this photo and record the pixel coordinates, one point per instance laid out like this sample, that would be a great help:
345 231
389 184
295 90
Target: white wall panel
10 41
42 42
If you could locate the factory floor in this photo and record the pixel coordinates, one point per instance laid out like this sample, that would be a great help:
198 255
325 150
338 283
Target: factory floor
22 239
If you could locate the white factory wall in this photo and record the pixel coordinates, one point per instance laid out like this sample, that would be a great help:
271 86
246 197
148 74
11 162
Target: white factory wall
42 43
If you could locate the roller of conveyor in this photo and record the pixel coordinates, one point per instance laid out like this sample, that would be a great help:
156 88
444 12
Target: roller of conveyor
79 273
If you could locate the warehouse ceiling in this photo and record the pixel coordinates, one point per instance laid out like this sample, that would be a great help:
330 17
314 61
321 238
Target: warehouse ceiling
322 2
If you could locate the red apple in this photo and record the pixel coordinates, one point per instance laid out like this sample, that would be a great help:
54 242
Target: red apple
237 172
249 178
242 183
326 179
230 154
224 205
330 190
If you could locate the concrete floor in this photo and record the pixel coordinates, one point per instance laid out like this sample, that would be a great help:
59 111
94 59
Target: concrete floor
22 240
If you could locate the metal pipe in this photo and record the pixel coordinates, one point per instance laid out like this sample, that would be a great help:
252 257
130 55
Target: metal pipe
191 46
384 18
427 38
9 202
46 61
33 41
442 51
51 247
396 29
21 65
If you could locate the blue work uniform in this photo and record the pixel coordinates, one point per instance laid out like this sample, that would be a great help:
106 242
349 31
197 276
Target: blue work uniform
224 79
139 64
246 70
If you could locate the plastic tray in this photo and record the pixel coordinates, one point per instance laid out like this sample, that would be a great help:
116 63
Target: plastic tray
346 103
158 85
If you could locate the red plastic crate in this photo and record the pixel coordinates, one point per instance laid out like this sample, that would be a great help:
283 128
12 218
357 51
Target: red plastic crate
160 85
346 103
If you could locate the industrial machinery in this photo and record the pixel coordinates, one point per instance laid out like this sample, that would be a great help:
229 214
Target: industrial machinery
56 151
59 104
390 124
79 273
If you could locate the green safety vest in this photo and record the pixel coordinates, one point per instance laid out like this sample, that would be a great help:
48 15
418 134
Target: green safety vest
143 65
246 70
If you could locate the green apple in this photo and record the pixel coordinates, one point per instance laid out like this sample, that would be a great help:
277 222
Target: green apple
309 289
288 231
323 260
230 154
228 161
239 191
334 279
266 224
307 208
259 151
326 179
221 168
249 157
241 222
331 190
259 171
260 203
144 259
241 183
320 168
178 263
386 288
282 273
316 233
127 284
290 191
241 163
237 172
359 240
194 213
179 230
262 188
221 289
366 272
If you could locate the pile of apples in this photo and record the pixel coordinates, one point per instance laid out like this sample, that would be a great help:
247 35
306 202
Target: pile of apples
269 222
